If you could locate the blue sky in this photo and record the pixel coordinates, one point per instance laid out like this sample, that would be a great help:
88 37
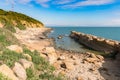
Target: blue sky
69 12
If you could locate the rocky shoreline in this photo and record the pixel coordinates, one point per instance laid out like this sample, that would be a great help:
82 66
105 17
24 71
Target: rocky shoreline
96 43
72 65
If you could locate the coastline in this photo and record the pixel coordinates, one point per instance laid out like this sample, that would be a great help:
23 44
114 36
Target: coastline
71 64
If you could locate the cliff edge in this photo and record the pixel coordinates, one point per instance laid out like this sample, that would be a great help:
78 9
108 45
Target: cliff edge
10 20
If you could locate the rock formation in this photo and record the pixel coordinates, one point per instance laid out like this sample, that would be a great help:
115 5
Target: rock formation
96 43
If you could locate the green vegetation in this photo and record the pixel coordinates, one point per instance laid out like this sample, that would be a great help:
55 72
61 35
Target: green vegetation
10 20
7 38
41 65
10 57
2 77
42 69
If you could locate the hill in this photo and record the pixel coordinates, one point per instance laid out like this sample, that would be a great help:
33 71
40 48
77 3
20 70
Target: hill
10 20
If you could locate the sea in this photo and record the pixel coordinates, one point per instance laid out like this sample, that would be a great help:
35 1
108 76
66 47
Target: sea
69 44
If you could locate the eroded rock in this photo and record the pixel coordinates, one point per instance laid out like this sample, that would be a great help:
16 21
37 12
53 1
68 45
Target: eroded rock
15 48
5 70
94 42
26 64
19 71
50 53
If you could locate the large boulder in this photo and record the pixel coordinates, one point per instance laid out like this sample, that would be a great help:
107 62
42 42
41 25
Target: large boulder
15 48
51 54
19 71
5 70
52 57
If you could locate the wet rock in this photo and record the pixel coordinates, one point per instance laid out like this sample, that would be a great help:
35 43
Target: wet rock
5 70
19 71
60 37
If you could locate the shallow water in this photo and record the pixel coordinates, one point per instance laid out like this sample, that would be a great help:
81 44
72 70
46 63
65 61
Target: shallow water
69 44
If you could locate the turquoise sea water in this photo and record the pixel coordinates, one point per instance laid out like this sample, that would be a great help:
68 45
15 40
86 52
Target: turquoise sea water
69 44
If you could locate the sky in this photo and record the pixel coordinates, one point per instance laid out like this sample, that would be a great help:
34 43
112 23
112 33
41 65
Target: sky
68 12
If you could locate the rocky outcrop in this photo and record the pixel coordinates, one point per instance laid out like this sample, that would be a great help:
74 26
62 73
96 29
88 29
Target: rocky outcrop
15 48
96 43
19 71
5 70
50 54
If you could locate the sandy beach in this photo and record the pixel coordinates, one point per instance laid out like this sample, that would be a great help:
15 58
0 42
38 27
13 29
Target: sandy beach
75 66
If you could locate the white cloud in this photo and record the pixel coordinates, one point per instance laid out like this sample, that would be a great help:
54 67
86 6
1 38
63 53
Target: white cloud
43 3
24 1
89 3
63 1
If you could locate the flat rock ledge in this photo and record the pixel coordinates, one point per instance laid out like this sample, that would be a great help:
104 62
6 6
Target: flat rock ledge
96 43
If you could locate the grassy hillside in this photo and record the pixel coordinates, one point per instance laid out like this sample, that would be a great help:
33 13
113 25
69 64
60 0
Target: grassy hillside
42 69
10 19
7 38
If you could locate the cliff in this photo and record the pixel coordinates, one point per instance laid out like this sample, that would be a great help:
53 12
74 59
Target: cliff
10 20
96 43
